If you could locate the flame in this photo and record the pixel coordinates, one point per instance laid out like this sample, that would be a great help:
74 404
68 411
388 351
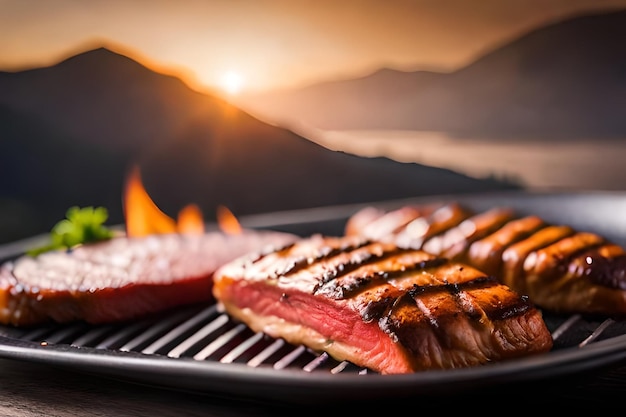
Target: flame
190 220
227 221
143 217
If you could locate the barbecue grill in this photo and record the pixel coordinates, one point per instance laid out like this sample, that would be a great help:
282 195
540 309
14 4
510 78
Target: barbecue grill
200 348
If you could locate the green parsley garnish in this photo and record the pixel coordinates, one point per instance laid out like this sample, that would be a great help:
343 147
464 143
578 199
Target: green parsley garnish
81 225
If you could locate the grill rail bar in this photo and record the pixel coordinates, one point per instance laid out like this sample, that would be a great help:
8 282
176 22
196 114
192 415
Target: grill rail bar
204 333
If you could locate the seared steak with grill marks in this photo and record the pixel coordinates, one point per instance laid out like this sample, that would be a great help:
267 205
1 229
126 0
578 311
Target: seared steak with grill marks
561 269
120 279
390 309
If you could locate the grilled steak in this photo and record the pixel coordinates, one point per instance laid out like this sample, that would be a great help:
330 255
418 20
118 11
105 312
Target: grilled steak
559 268
119 279
390 309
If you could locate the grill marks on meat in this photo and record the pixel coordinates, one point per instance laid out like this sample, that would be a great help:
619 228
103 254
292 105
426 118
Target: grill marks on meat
380 306
559 268
122 278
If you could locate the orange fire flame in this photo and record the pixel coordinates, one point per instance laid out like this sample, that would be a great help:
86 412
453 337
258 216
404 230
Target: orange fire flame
190 220
227 221
143 217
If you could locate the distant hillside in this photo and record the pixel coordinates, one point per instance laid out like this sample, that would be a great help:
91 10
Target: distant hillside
567 79
70 133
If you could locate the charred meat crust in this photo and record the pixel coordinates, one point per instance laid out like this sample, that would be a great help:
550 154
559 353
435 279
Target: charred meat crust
424 311
561 269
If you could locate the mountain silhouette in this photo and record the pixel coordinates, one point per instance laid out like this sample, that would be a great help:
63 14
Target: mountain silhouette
72 131
567 79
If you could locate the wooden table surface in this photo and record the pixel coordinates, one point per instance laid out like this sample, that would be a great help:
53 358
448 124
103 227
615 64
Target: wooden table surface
33 389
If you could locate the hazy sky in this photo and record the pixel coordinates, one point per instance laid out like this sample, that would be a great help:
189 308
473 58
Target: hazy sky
274 43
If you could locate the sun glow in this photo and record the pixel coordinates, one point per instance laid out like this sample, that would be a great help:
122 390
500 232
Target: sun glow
232 82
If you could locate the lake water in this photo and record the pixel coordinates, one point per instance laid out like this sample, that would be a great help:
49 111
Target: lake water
538 163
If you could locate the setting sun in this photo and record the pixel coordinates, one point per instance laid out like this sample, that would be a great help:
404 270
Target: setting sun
231 82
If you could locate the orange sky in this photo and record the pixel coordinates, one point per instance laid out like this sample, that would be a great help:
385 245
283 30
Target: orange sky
274 43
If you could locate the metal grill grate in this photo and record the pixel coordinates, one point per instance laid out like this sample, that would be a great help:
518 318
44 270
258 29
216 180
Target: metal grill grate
204 333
